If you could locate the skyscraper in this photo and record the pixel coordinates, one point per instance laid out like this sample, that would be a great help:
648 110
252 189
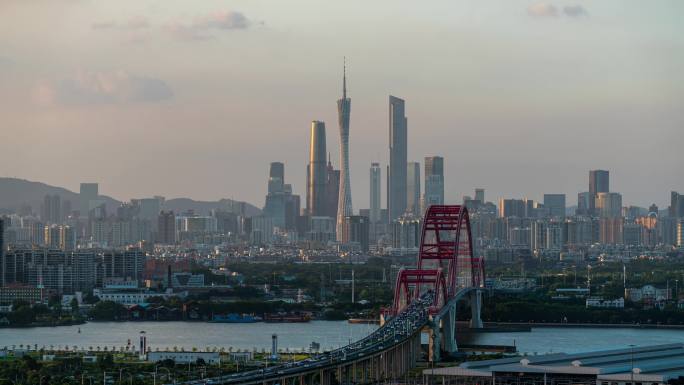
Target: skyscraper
166 233
676 209
413 188
608 205
598 183
583 204
332 191
434 181
398 146
281 206
2 251
344 207
375 182
480 195
276 177
555 203
52 209
316 171
88 192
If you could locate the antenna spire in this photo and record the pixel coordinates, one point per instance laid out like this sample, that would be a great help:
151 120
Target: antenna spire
344 79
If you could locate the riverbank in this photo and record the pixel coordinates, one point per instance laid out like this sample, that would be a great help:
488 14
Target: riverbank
582 325
499 327
44 324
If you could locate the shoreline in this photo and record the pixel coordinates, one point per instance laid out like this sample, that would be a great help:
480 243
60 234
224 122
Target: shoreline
495 325
584 325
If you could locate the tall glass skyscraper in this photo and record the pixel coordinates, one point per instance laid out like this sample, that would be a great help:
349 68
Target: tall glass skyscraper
599 182
413 188
344 207
398 146
317 176
375 183
434 181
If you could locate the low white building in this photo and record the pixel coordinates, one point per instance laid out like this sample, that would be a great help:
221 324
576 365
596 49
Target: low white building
618 303
133 297
648 293
184 357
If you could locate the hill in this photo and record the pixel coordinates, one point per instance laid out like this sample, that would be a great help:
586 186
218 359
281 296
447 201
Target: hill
15 193
179 205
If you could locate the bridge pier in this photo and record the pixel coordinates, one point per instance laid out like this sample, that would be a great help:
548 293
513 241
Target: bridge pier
449 328
435 341
476 309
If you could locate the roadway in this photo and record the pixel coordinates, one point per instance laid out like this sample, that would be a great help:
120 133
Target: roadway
396 330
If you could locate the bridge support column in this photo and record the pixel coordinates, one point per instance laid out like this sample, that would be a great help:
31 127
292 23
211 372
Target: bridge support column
449 329
435 341
476 309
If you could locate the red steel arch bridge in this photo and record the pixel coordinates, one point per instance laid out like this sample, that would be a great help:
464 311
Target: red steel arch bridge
425 301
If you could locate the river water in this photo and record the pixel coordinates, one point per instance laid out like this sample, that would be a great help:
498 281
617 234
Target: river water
298 336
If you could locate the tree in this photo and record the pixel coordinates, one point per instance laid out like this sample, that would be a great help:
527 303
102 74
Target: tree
74 305
107 311
23 315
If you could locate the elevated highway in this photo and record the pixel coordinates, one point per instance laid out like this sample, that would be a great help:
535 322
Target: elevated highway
425 301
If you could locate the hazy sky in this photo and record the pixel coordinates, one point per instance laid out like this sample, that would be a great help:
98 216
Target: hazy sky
195 98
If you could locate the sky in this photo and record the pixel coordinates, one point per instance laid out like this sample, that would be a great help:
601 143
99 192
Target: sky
196 98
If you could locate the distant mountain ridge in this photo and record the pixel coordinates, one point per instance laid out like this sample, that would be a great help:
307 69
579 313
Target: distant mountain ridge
15 193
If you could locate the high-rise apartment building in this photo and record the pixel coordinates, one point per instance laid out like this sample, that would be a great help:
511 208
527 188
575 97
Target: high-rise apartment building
676 205
356 230
147 208
608 205
398 146
89 192
67 237
166 228
434 181
375 183
413 188
52 236
127 264
611 230
555 204
317 171
512 208
583 203
344 207
52 209
480 195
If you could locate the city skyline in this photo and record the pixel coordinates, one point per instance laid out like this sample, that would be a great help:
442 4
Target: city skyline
203 120
168 178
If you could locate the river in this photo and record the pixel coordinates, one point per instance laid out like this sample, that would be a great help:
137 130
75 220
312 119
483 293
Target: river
298 336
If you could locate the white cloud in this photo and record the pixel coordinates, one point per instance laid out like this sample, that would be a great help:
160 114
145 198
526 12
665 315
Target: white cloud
103 88
204 27
548 10
542 10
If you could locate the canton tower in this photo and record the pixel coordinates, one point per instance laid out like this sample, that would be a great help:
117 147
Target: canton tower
344 206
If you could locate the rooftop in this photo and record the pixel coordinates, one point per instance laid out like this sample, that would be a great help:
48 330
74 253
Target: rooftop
656 363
